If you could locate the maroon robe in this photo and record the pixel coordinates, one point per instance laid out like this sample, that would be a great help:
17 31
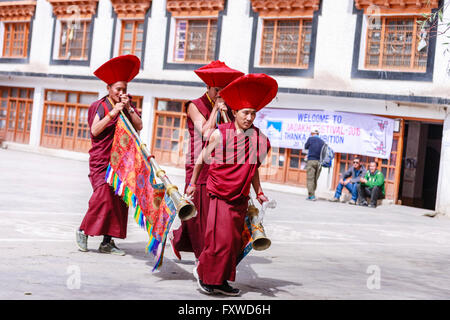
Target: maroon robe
107 213
229 180
189 237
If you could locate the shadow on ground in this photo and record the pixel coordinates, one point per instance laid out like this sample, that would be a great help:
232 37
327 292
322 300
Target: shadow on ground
247 278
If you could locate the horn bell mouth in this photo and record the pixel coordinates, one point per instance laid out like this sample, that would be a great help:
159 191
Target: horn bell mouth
186 212
261 244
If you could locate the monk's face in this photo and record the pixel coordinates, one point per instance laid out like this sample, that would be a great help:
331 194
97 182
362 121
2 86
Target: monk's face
213 93
244 118
117 89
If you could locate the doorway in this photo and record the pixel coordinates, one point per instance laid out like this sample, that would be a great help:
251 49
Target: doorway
420 164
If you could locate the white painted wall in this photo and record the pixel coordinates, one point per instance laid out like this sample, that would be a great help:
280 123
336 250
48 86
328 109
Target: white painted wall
333 61
334 51
442 198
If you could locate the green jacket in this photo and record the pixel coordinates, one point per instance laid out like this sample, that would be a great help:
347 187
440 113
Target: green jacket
376 179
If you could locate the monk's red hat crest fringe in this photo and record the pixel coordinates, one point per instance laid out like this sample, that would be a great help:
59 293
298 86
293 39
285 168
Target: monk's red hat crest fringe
122 68
217 74
253 91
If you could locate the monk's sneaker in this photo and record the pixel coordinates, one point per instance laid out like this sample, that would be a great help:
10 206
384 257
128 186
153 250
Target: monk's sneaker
226 289
111 248
205 288
82 240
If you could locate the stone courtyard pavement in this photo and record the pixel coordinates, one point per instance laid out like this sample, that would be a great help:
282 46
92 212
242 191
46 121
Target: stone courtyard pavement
320 250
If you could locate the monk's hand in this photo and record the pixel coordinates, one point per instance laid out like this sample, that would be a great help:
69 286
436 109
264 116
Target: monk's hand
190 190
261 197
116 110
220 105
125 99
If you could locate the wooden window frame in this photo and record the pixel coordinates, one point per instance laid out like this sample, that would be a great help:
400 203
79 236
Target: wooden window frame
13 133
138 102
134 32
85 42
183 139
301 41
207 48
62 141
284 174
10 43
414 54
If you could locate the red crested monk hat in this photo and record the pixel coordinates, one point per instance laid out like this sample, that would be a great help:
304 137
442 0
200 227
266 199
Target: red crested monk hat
217 74
121 68
252 91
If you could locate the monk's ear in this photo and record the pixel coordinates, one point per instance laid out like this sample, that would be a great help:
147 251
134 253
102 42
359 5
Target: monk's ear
234 113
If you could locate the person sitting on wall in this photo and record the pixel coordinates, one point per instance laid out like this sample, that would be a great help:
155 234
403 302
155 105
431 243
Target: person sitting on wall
371 185
350 179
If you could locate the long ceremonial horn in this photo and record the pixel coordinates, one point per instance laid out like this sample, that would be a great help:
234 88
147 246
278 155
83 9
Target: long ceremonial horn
224 116
185 209
260 241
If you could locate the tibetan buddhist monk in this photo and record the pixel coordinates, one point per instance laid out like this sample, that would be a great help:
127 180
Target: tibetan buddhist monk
235 152
203 115
107 213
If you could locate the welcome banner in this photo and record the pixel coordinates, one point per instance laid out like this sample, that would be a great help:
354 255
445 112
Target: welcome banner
345 132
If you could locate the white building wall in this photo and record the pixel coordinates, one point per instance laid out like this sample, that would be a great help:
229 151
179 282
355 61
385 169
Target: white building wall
332 71
333 61
442 199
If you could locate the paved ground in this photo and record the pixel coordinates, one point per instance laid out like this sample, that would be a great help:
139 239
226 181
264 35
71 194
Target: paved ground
320 250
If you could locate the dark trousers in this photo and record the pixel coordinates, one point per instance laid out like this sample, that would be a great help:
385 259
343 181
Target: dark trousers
374 193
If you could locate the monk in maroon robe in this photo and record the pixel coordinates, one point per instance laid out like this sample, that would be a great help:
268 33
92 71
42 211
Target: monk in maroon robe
235 152
203 115
107 213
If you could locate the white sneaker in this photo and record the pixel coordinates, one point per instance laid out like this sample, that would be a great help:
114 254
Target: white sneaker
195 273
81 239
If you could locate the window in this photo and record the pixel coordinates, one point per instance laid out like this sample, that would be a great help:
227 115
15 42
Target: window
132 37
72 33
394 45
137 101
170 136
15 40
74 40
131 16
64 123
16 107
195 40
285 166
286 43
16 24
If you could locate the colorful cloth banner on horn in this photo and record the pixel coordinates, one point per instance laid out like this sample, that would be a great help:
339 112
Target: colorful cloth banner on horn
131 176
247 240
